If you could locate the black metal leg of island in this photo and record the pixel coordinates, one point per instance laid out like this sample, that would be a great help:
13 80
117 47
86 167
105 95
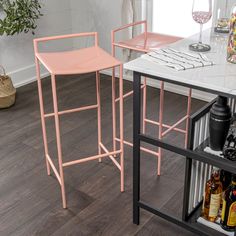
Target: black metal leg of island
191 156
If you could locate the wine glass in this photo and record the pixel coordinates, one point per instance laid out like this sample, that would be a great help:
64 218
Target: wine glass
201 12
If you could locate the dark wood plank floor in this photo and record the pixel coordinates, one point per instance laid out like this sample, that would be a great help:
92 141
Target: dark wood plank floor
30 201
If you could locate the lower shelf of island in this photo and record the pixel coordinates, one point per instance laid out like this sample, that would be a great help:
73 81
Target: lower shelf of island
211 228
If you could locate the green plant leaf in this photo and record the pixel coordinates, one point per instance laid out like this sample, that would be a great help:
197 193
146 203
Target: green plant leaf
20 16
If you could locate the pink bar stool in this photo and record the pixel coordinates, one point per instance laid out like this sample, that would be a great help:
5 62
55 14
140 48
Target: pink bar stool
86 60
144 43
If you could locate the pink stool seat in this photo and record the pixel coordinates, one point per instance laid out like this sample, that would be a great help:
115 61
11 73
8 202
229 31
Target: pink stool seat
80 61
153 41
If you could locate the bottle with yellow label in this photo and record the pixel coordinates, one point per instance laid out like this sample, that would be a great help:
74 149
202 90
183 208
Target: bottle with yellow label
212 197
228 217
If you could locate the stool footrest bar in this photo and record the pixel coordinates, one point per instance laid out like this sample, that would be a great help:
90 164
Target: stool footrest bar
165 125
141 148
70 163
111 156
174 126
72 110
128 94
54 168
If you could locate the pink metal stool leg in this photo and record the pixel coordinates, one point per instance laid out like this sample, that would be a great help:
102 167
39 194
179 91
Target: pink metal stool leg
114 108
99 113
121 129
58 137
113 98
144 104
188 116
160 126
42 114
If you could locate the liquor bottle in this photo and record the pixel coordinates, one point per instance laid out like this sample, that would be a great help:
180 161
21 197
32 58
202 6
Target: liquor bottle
213 195
225 178
228 217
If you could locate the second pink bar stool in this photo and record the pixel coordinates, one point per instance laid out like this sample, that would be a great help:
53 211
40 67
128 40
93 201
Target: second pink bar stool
144 43
86 60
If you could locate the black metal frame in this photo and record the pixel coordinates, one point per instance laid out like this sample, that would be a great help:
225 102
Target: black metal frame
188 153
195 117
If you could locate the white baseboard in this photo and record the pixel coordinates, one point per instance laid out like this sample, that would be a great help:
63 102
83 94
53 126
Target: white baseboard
26 75
171 88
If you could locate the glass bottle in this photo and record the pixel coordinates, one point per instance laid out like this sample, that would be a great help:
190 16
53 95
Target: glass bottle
225 178
228 217
213 195
231 49
222 18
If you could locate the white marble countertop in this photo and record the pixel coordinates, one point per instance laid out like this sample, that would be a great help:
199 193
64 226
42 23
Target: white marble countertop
218 79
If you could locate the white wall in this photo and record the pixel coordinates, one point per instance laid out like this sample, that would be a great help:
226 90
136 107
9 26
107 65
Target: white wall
16 52
96 15
183 25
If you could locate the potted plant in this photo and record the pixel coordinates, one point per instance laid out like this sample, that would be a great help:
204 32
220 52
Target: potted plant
19 16
16 16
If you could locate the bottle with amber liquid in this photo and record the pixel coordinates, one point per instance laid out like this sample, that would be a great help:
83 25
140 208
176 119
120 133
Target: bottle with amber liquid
213 195
228 217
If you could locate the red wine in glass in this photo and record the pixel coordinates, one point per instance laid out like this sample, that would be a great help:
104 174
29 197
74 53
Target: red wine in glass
201 12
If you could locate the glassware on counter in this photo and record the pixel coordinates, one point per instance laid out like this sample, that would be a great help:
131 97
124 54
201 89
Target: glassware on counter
201 12
222 22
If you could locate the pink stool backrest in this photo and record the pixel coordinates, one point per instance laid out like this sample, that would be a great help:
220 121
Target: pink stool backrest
38 40
144 22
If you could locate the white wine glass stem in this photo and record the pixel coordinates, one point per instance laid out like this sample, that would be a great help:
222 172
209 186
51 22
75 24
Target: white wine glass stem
200 35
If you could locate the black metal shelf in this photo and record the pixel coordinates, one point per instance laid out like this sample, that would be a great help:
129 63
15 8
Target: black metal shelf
197 154
220 162
193 221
